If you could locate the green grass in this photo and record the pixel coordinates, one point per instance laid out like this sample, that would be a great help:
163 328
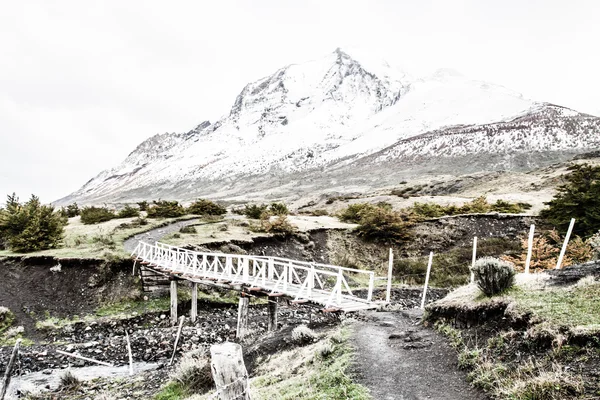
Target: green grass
172 391
578 305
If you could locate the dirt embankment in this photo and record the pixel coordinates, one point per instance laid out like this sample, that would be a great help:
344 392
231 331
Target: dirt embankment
38 287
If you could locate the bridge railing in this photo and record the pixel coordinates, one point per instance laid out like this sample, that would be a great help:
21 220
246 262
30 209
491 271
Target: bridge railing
329 284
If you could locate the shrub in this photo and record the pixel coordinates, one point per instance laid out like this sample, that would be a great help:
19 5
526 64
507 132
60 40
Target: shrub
279 225
193 372
546 249
325 350
96 215
143 205
578 198
493 276
318 213
254 211
383 225
72 210
128 212
302 334
278 209
188 229
30 226
206 207
429 210
353 213
165 209
6 319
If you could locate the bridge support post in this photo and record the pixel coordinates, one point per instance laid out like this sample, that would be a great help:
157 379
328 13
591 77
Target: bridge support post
272 308
194 312
242 322
173 301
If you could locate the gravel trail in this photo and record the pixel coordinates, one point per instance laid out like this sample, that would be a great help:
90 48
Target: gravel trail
398 360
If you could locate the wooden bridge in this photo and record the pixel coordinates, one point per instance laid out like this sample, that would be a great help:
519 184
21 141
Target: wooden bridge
333 287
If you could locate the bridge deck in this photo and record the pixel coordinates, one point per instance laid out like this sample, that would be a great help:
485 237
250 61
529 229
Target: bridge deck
322 284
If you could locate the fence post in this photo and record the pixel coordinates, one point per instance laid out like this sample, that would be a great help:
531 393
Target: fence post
229 371
371 284
388 294
173 301
474 259
427 280
529 248
194 310
564 248
9 367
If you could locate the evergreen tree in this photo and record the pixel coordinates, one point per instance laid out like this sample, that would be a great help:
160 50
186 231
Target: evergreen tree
578 198
30 226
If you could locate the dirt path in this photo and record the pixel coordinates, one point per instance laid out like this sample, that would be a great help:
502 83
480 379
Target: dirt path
155 235
398 360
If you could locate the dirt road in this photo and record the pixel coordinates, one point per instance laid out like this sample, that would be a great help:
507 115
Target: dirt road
398 360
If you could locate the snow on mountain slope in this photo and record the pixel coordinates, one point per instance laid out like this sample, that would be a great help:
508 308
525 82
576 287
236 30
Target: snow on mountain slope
335 111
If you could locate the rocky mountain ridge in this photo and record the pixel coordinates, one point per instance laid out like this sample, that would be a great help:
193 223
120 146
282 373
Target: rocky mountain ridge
346 118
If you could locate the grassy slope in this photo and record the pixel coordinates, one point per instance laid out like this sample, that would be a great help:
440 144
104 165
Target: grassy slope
520 364
97 240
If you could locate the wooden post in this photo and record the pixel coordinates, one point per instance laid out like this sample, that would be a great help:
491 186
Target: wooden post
242 323
173 301
194 311
177 339
427 280
474 259
229 371
129 352
564 248
388 294
64 353
9 367
272 307
529 248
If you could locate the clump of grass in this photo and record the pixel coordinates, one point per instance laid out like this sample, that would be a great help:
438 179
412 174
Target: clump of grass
194 372
6 319
68 381
493 276
302 334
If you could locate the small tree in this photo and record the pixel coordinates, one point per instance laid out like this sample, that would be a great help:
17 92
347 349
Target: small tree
143 205
30 226
579 198
206 207
96 215
493 276
254 211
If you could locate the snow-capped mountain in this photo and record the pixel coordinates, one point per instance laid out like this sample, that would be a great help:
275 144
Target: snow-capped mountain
346 118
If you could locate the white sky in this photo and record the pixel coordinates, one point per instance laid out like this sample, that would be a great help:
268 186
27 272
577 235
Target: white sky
83 82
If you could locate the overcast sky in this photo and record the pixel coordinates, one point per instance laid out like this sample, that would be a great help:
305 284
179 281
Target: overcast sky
83 82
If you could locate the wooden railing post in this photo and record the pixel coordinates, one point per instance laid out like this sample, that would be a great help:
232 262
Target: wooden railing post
271 268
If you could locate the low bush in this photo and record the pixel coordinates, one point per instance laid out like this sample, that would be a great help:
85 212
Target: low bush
479 205
143 205
72 210
68 381
206 207
188 229
278 209
128 212
279 225
96 215
493 276
6 319
384 225
254 211
318 213
353 213
165 209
